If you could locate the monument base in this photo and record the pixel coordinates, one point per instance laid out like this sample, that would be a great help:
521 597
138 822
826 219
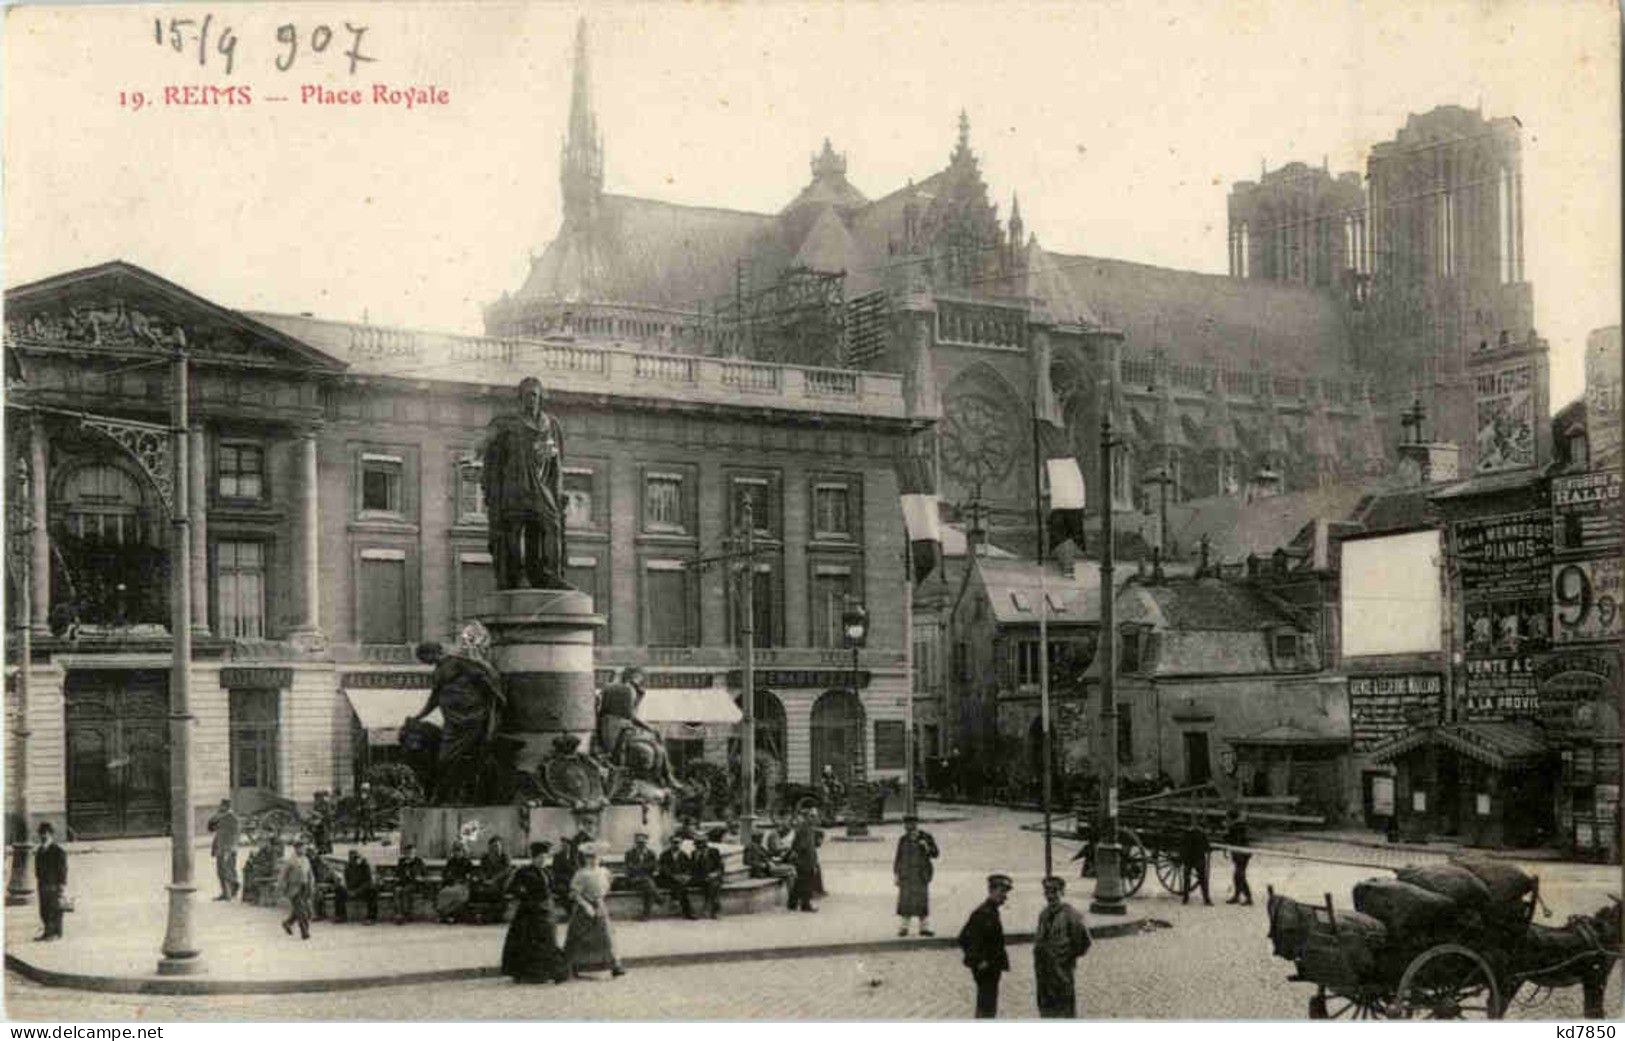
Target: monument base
541 642
433 829
615 825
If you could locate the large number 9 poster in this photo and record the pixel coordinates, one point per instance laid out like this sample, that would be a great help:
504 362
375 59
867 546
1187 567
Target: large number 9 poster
1586 600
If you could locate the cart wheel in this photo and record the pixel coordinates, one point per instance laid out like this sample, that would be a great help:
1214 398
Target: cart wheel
1317 1007
1448 982
1170 872
1359 1005
1132 870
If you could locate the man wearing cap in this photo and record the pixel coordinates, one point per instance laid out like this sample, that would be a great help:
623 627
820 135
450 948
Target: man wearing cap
410 879
51 876
1059 941
672 871
706 870
298 885
982 941
638 871
911 872
228 831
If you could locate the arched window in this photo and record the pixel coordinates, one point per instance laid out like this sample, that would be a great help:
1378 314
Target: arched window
837 736
107 543
103 503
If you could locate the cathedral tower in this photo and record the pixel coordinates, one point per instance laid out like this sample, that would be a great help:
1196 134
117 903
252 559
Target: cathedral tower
581 166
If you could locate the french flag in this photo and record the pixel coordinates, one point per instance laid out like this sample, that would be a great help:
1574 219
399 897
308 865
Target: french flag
917 486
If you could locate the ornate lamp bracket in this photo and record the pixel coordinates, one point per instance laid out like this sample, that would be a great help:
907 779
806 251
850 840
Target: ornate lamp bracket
148 444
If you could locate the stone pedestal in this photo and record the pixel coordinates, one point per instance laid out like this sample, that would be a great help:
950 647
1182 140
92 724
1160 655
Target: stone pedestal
614 825
541 642
434 828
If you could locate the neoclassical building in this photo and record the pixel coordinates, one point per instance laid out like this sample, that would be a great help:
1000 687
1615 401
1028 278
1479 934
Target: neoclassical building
336 516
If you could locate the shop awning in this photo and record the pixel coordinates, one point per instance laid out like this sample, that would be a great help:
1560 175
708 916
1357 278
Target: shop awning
708 705
1500 746
381 710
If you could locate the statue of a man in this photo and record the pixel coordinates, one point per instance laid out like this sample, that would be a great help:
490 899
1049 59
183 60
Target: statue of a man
523 482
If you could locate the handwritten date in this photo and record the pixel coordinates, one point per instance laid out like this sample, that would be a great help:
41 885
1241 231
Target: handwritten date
208 42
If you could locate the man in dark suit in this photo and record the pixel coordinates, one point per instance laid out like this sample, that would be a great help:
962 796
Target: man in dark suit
982 941
357 885
228 832
638 871
411 878
672 873
706 870
1193 854
51 877
804 856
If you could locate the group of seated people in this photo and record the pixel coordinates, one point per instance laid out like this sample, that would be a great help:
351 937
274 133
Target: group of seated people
674 874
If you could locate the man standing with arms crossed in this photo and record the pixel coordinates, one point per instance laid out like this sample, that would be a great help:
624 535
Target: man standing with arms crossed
982 940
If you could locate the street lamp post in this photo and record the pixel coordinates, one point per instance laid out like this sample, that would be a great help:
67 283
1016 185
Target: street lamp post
747 632
20 523
180 949
855 631
1108 874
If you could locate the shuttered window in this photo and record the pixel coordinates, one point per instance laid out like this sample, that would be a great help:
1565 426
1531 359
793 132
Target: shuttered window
383 597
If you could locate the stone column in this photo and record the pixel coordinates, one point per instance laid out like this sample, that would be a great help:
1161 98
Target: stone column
40 537
308 633
197 510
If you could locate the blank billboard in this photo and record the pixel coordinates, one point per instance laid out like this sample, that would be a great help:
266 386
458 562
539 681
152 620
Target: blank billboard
1390 594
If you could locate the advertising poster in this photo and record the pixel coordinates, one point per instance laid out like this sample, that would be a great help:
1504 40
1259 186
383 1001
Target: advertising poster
1382 706
1499 689
1506 419
1602 397
1503 556
1585 510
1585 600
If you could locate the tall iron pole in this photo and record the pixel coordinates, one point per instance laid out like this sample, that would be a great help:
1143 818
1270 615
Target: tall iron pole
21 534
1108 868
1043 641
747 631
908 672
181 953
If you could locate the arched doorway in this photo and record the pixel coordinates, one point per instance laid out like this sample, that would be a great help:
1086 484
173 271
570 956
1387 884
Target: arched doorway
772 741
837 735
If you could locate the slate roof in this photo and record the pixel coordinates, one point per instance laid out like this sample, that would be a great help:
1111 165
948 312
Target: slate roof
1237 528
1288 735
648 252
1212 319
1202 604
1009 583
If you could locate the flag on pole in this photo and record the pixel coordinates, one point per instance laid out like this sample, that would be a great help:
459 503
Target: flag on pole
917 486
1066 496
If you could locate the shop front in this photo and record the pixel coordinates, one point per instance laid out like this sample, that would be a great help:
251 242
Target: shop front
1480 784
1579 694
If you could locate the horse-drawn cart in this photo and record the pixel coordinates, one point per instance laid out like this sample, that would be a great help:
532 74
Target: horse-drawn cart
1455 961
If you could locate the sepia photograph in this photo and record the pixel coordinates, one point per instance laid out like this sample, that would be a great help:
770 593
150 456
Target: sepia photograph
778 511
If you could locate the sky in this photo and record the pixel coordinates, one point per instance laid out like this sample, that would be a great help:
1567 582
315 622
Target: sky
1120 125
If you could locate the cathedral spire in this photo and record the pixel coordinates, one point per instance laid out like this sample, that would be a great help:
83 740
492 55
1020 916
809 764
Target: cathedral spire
962 147
581 169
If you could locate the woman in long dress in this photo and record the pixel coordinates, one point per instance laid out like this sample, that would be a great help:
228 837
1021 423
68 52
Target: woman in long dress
454 892
531 954
589 945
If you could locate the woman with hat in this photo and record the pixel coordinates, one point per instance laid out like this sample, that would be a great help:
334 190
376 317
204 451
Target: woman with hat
588 944
530 953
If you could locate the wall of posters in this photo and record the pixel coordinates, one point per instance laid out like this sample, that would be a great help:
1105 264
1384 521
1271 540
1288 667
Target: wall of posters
1585 510
1505 563
1382 706
1506 418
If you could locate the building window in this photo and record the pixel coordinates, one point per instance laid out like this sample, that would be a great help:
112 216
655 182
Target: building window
583 572
1285 648
381 484
578 497
761 494
252 716
240 589
1027 663
470 491
665 594
1129 656
1125 732
476 580
889 752
381 608
1227 483
961 661
240 471
663 503
764 608
832 587
832 511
